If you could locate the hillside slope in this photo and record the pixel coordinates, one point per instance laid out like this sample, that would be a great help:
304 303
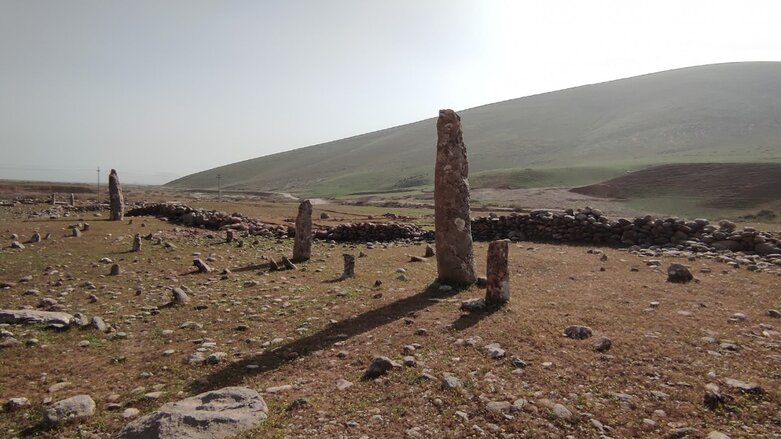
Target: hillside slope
715 113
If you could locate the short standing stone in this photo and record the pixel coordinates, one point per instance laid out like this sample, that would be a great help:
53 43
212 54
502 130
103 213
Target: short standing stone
302 244
116 270
229 235
349 266
453 226
217 414
430 253
179 297
137 243
678 273
75 232
202 267
115 197
498 275
36 237
77 407
578 332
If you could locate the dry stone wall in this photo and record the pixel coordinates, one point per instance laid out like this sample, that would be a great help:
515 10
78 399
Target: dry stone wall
582 226
589 226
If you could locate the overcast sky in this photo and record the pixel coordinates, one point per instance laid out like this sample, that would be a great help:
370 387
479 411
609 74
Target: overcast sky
159 89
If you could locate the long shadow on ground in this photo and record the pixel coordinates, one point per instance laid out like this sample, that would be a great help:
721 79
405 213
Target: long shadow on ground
271 360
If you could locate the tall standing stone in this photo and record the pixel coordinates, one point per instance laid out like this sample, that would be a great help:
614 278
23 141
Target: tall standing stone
115 197
54 199
453 228
497 274
137 243
73 200
302 246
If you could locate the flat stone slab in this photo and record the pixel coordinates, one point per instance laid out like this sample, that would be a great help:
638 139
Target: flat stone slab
216 414
29 316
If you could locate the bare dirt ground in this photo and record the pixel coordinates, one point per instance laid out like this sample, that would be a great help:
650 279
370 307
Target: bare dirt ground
300 333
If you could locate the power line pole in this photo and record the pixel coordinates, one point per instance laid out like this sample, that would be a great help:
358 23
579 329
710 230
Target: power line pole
98 170
219 187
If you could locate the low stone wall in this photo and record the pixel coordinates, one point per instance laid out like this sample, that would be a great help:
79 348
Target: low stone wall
209 219
589 226
584 226
374 232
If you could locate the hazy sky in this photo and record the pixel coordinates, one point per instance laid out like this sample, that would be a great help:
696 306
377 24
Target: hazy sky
159 89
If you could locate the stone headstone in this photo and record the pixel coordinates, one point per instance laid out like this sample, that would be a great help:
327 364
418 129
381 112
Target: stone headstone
115 197
202 267
137 243
302 245
497 274
349 266
453 233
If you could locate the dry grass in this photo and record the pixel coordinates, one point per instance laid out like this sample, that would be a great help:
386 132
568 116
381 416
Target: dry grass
552 287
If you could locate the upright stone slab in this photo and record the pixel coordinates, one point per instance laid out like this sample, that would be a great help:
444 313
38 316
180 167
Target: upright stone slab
349 266
54 199
115 197
302 246
497 274
73 200
453 229
137 243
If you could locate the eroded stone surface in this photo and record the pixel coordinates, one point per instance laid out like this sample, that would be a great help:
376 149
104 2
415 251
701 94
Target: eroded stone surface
211 415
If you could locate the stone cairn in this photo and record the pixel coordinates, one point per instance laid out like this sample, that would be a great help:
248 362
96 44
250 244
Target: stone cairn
453 233
349 266
497 274
302 246
137 243
115 197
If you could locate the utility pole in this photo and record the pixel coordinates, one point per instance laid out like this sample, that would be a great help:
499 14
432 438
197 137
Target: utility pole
219 187
98 170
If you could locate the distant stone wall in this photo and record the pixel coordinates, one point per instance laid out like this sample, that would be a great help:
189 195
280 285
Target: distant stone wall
589 226
208 219
374 232
582 226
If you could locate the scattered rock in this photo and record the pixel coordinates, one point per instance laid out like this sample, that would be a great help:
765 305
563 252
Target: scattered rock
215 414
678 273
76 407
578 332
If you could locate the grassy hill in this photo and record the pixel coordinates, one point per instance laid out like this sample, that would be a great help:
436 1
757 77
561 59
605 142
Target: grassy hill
574 137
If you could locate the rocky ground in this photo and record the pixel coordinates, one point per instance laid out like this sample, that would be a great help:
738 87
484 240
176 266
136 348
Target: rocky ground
659 359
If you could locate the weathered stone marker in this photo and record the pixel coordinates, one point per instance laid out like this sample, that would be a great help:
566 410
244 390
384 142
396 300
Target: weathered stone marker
202 267
453 229
36 237
497 273
302 246
54 199
115 197
137 243
116 270
73 200
349 266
